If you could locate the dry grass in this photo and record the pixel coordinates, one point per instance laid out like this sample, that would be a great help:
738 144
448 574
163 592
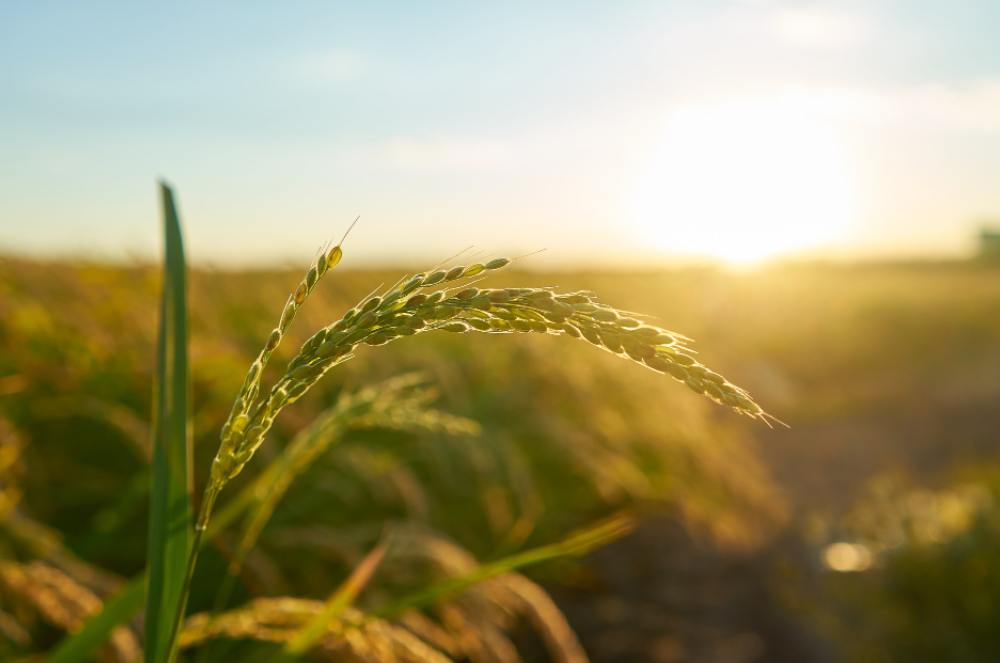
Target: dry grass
58 599
353 637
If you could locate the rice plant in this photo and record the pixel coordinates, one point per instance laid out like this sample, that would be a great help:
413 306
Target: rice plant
475 603
439 300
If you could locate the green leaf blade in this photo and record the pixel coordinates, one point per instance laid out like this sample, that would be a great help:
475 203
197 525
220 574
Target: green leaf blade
578 543
170 502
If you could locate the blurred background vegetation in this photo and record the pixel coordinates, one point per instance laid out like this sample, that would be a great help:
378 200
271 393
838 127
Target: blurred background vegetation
840 539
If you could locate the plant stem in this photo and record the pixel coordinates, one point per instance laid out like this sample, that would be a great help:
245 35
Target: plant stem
204 513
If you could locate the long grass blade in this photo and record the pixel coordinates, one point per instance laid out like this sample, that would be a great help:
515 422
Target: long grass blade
341 598
170 508
578 543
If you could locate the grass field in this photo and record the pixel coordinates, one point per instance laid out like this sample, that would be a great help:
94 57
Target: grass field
887 374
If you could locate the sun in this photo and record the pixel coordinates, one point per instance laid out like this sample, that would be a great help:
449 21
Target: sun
745 182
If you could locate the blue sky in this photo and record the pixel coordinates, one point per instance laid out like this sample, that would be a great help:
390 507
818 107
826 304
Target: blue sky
607 131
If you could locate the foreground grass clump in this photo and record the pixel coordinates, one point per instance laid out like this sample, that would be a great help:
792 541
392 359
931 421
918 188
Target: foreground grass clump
441 300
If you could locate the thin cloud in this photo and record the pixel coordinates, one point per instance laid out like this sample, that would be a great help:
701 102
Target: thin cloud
820 27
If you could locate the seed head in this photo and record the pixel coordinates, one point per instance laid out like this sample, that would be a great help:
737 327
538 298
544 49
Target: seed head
712 376
539 296
414 283
434 277
455 326
379 338
444 312
300 292
278 397
391 298
400 312
610 341
416 300
497 263
695 384
273 340
315 340
604 315
334 256
677 371
683 359
288 313
478 324
371 304
414 321
254 373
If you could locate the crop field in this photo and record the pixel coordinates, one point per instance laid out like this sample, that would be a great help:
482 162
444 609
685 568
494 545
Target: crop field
521 496
716 379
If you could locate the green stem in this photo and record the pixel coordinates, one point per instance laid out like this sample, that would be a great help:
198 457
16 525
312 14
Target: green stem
208 501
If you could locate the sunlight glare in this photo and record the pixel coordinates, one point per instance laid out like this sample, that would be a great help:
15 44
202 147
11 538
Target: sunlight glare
746 181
